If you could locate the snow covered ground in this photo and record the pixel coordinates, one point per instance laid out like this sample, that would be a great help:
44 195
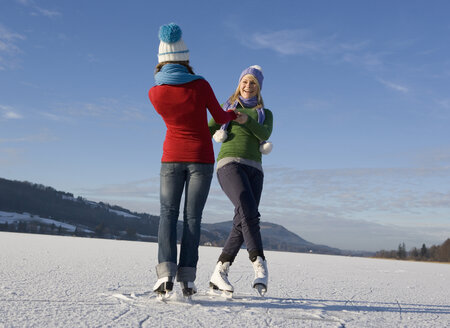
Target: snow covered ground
53 281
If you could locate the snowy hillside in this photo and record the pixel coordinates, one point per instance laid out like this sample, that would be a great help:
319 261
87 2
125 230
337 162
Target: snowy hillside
45 208
10 217
52 281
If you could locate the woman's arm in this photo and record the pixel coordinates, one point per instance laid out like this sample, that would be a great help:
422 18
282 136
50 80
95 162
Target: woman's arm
260 131
220 116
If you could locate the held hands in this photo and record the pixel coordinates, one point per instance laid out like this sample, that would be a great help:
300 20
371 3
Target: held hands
241 117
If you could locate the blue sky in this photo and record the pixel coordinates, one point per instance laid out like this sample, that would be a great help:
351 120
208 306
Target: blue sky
360 93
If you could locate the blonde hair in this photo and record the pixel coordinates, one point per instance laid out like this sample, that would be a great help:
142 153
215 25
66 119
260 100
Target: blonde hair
237 93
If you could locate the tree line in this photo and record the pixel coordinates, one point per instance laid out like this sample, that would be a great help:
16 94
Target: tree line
46 202
437 253
32 227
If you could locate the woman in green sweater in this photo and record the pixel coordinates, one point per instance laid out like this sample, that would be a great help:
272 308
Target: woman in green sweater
240 174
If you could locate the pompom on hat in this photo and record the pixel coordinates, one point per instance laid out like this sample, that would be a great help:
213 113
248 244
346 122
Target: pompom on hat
256 71
171 46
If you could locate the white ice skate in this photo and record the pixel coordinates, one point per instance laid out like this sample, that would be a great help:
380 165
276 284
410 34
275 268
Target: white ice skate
163 287
261 276
219 280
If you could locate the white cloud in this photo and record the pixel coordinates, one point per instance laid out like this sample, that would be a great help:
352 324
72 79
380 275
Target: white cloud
360 208
394 86
9 113
288 42
39 11
8 48
7 38
350 191
361 234
139 189
140 196
42 136
444 103
366 209
370 61
438 157
10 156
439 108
102 109
12 115
304 42
47 13
92 58
54 117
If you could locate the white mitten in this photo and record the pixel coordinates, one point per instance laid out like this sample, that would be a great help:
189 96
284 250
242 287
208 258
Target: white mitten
220 135
265 147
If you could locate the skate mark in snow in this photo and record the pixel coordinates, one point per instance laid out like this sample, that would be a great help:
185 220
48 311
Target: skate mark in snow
400 309
141 323
270 309
121 315
370 306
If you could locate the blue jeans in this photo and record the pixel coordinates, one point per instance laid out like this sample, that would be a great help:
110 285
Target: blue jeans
195 180
243 185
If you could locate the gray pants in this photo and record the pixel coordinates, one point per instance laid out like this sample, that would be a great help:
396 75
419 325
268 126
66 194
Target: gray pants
243 185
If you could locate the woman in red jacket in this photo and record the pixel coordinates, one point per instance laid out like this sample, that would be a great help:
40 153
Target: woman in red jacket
182 99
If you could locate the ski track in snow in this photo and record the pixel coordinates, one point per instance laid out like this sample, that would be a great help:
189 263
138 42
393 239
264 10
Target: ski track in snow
51 281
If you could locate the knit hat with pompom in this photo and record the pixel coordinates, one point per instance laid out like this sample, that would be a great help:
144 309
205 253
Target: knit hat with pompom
256 71
172 46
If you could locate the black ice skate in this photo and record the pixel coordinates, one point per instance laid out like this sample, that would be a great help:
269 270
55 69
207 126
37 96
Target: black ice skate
188 288
163 287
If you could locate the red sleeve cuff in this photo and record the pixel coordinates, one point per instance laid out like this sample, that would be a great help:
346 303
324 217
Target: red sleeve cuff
234 114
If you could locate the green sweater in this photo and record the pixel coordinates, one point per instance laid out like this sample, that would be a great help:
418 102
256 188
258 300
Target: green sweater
243 139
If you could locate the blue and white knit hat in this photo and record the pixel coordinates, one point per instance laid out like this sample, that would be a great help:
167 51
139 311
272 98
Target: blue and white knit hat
172 46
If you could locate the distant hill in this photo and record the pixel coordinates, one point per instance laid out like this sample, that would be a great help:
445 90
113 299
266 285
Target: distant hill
87 217
34 208
274 236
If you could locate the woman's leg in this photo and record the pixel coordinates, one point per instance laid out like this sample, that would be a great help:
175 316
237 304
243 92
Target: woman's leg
198 182
171 188
256 178
234 241
243 186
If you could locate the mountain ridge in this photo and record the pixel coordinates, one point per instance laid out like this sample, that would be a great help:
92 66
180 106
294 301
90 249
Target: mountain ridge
42 207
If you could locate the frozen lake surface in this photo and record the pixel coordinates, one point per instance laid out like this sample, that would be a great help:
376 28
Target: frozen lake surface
52 281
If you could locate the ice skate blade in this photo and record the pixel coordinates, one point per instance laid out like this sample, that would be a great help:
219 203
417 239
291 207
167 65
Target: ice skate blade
260 289
215 287
188 298
222 293
188 292
163 296
214 291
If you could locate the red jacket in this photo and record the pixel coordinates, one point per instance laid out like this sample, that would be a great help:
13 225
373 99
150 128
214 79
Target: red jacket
183 109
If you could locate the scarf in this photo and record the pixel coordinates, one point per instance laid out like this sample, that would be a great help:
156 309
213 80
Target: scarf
265 147
173 74
249 103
